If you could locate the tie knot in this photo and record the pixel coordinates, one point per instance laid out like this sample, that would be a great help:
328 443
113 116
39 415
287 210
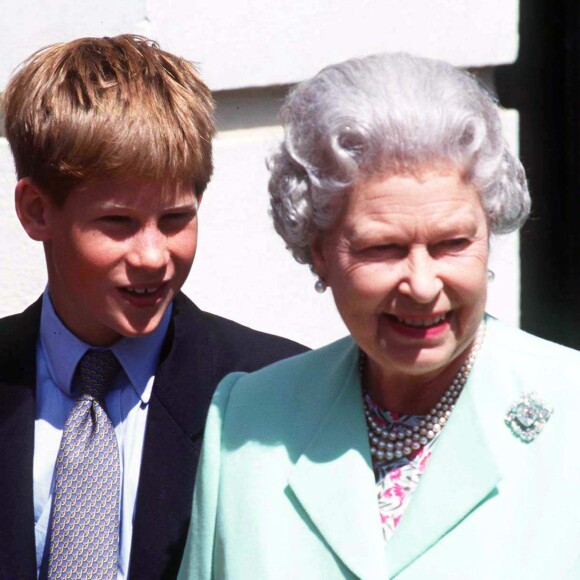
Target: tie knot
96 371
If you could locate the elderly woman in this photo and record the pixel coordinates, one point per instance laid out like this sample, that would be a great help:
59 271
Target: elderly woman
434 441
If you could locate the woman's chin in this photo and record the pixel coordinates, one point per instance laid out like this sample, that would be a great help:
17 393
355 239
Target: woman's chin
426 363
418 352
428 357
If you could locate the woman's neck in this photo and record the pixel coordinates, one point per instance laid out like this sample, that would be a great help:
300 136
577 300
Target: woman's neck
408 394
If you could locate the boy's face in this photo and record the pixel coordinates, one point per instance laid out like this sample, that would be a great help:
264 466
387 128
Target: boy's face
117 255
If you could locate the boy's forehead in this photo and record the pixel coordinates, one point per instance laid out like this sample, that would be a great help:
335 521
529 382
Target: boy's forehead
131 192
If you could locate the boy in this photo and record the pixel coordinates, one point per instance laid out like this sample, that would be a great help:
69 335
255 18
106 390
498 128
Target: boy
111 140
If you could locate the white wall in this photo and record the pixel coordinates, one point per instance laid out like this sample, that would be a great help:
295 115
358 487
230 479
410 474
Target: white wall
245 43
242 269
266 42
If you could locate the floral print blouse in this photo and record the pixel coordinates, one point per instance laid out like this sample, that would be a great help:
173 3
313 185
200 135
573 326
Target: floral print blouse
397 479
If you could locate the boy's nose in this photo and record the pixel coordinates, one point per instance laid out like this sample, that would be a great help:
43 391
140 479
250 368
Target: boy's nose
149 251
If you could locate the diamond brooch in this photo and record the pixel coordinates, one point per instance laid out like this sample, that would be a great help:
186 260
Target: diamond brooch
527 417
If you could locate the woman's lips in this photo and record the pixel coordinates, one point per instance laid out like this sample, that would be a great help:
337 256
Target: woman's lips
144 296
419 327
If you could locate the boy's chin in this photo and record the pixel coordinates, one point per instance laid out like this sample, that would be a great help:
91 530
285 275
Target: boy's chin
126 327
136 329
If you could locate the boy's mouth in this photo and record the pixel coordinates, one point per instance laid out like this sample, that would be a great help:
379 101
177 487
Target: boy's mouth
142 291
146 295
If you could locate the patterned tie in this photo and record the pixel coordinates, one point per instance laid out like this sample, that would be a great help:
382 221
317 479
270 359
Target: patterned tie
84 536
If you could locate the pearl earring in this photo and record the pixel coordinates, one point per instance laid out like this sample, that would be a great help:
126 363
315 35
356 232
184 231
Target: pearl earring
491 275
320 285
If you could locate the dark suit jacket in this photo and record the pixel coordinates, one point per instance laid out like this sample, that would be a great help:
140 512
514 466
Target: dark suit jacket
199 350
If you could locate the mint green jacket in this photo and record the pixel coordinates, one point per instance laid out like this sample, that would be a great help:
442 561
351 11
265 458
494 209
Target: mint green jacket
286 490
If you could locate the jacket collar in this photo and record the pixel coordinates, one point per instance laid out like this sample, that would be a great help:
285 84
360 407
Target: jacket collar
333 479
181 394
462 474
18 339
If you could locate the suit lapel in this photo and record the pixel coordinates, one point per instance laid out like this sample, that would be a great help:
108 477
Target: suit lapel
333 478
17 412
462 474
181 395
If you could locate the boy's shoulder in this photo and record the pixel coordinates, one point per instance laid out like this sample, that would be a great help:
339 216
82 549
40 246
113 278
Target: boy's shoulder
18 338
243 348
16 328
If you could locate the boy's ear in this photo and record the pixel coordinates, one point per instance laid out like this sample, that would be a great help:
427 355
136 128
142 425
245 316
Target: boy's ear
32 207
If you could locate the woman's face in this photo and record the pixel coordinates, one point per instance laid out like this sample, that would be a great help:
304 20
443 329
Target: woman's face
407 264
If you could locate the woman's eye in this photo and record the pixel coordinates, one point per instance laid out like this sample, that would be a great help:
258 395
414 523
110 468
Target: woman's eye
453 244
381 250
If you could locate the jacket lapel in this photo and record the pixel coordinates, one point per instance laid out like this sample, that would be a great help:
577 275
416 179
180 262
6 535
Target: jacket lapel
462 473
19 335
334 482
181 395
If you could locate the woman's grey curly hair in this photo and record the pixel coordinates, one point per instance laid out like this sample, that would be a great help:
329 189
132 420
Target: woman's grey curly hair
387 114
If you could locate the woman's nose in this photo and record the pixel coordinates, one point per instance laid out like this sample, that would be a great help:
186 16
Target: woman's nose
421 280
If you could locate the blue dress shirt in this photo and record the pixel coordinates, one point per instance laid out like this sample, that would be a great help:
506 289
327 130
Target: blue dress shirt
58 353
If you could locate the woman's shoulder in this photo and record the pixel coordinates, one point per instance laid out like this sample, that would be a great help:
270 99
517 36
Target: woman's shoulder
522 346
524 364
291 373
271 402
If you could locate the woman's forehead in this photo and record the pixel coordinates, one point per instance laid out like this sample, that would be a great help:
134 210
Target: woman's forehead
437 201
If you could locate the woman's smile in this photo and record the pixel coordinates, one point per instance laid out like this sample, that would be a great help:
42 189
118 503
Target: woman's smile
420 328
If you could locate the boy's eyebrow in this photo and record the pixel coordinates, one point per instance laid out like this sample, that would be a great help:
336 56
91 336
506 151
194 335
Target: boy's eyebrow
186 205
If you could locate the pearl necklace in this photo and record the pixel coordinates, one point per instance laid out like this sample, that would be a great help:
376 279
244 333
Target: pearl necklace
394 442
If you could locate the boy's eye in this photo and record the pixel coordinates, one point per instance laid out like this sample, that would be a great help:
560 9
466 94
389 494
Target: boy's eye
115 219
177 219
180 216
